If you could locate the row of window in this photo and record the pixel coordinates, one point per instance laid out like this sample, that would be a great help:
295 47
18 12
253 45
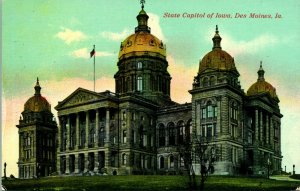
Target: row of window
182 134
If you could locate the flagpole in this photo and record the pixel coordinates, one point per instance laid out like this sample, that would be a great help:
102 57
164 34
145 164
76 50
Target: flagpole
94 68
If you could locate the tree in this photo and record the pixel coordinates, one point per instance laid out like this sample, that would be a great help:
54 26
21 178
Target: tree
201 151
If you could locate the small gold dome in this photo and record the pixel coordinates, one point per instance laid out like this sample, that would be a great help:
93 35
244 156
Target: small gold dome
261 86
142 42
217 59
37 103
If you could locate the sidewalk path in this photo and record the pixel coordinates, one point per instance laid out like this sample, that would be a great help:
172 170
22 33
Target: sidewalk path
284 178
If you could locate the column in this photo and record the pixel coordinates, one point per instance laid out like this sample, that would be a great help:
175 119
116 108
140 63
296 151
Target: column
256 125
20 147
86 162
97 128
219 117
96 161
59 137
68 133
87 124
77 131
76 165
107 162
107 122
67 164
271 133
261 126
167 136
267 129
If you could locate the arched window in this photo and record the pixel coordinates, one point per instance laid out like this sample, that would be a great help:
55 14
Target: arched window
139 83
212 80
171 131
233 111
171 158
162 135
181 132
205 82
124 159
101 136
161 162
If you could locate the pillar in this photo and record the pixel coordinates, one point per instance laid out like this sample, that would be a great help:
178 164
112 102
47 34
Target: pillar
76 163
107 122
256 125
267 129
97 128
96 161
67 164
261 126
271 133
77 131
218 118
86 162
68 133
87 124
167 136
59 137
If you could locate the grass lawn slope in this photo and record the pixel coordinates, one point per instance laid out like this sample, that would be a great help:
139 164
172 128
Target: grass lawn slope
153 183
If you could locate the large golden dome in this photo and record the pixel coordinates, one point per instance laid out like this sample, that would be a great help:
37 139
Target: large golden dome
142 42
37 103
261 86
217 59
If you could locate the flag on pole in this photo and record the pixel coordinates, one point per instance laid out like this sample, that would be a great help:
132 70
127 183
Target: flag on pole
92 53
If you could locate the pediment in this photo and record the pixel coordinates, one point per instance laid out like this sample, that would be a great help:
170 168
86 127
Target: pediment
78 97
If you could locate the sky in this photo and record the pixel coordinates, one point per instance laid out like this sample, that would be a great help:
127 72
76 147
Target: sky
51 39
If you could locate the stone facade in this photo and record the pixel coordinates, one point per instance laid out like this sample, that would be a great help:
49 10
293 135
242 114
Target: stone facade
138 129
37 138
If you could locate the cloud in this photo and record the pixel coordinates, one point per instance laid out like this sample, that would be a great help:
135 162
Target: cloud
69 36
182 79
53 91
154 24
114 36
238 47
85 53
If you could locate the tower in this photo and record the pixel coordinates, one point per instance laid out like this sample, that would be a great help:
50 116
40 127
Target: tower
217 103
263 126
142 65
37 136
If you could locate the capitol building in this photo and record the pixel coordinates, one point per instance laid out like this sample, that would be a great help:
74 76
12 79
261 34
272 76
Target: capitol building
138 128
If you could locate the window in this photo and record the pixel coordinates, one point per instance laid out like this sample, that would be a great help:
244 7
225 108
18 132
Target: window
161 162
181 161
101 136
209 130
139 65
134 136
233 111
124 136
139 83
209 111
181 132
215 111
144 140
205 82
124 159
171 161
162 135
171 129
124 115
203 113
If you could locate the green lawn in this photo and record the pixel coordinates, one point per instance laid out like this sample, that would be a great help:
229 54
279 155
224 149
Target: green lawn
153 183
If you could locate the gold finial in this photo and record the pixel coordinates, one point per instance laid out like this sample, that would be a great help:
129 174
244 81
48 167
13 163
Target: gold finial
142 2
260 64
217 30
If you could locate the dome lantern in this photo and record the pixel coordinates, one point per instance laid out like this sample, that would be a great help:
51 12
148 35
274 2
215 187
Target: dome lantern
261 73
217 40
142 19
37 87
